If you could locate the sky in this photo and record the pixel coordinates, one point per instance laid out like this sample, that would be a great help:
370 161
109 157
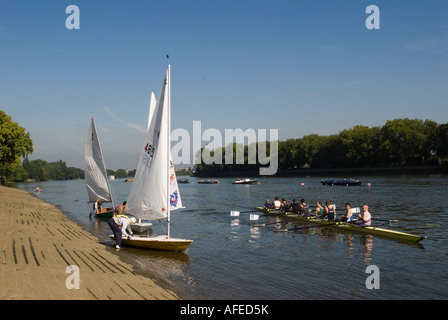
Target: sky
302 67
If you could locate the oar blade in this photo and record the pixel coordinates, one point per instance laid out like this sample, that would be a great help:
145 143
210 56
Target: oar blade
281 230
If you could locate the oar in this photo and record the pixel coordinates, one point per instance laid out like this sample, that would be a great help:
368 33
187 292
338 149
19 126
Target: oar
307 227
384 220
264 224
243 211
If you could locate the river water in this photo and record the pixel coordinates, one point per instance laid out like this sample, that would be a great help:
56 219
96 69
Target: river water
230 259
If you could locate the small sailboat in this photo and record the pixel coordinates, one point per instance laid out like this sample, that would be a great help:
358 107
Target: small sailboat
154 192
97 183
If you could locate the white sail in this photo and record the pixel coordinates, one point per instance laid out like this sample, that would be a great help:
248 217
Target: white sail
175 199
148 198
95 170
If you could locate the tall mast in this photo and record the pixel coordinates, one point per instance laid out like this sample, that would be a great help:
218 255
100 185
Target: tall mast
169 145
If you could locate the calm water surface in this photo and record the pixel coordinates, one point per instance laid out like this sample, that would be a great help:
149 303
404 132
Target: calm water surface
229 259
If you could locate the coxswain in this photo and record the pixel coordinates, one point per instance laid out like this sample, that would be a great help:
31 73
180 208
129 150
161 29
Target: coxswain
267 205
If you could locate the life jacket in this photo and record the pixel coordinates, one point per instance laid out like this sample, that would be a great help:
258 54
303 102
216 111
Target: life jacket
122 208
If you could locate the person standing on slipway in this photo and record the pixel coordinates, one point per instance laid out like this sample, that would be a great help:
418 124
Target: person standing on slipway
120 225
115 224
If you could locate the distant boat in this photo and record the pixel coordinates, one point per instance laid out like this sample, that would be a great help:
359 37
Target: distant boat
244 181
128 180
97 183
154 192
208 181
184 180
341 182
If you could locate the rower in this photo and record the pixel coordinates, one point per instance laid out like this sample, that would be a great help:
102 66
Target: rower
366 217
305 208
348 217
329 211
285 205
277 204
295 207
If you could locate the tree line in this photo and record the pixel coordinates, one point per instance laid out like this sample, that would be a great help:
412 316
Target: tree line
41 170
398 143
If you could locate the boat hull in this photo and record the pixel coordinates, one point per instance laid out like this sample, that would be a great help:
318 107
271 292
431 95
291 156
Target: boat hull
397 235
140 227
245 182
156 243
208 181
343 182
105 214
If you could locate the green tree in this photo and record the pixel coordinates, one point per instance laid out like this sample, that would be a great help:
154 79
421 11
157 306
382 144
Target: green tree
441 141
19 175
407 141
307 150
360 145
14 143
288 153
121 173
38 170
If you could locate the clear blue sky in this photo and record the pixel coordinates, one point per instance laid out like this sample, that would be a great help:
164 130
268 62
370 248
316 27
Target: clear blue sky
301 67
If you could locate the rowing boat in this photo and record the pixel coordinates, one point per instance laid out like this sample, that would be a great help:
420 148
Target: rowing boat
208 181
343 182
347 226
244 181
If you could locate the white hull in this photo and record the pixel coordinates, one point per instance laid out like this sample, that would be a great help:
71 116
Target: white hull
140 227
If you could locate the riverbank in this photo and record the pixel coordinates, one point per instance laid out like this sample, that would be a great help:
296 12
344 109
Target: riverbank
38 242
335 172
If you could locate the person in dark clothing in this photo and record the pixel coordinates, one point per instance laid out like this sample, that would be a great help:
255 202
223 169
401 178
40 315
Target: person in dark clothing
285 205
329 212
267 205
115 224
295 207
305 209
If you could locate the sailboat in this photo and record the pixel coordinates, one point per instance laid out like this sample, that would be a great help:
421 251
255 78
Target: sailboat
154 192
142 226
97 183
